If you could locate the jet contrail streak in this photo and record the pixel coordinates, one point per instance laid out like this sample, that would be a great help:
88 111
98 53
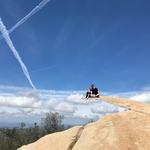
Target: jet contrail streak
33 11
16 54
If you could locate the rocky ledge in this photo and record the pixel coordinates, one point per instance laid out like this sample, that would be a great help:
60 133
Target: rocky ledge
128 130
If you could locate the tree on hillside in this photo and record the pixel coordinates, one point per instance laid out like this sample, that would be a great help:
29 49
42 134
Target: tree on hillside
13 138
22 125
52 123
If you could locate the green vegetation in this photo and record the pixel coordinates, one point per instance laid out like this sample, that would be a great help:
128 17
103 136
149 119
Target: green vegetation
11 139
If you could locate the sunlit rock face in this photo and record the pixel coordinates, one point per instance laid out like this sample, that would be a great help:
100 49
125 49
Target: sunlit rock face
127 130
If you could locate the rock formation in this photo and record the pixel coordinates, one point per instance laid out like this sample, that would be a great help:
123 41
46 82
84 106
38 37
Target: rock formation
129 130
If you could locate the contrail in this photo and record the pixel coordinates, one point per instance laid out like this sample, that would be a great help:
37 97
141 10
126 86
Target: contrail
16 54
33 11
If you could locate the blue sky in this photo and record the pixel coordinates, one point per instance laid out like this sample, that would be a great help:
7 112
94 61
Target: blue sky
82 42
70 44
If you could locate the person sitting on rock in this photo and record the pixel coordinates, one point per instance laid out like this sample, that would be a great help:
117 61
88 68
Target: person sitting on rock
92 92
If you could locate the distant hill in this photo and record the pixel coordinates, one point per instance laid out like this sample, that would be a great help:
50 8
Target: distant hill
12 125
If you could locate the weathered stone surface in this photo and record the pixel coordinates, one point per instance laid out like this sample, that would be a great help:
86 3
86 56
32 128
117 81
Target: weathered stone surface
129 130
130 104
122 131
55 141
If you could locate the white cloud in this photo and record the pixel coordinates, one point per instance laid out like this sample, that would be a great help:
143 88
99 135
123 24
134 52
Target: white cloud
26 110
142 97
75 98
16 101
35 102
88 117
7 111
52 103
64 107
104 109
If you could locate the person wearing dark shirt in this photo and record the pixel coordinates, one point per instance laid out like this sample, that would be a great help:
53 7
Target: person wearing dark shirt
92 92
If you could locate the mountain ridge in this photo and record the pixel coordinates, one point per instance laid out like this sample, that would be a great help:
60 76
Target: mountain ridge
125 130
